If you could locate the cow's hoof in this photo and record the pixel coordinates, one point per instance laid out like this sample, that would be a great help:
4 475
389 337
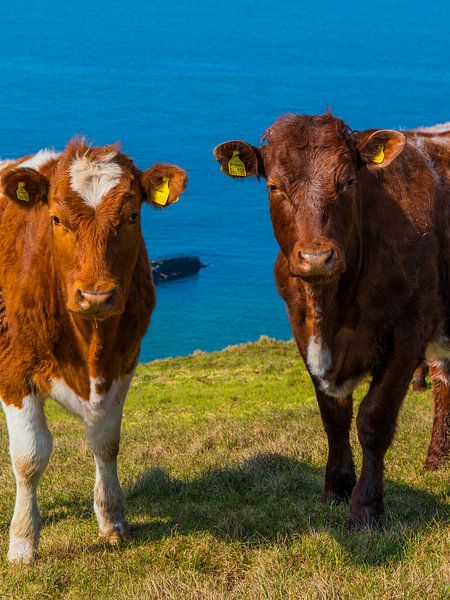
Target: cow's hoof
21 550
333 498
119 532
364 520
338 489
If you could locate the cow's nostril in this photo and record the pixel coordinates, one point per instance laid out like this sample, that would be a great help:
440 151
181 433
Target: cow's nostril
329 257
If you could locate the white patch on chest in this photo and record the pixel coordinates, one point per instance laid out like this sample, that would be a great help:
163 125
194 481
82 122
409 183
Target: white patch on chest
318 357
98 404
93 180
39 159
320 362
343 390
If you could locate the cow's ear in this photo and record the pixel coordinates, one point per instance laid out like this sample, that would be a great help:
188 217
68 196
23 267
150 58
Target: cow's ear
27 187
239 159
163 184
378 149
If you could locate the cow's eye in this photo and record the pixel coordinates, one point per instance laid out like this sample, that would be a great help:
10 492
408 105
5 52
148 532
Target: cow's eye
350 183
272 187
133 218
55 220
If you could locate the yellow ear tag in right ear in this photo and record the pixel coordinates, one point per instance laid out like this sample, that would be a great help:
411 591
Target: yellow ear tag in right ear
235 165
21 192
379 156
161 192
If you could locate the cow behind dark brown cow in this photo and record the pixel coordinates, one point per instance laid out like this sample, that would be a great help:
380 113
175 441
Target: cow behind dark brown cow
419 382
362 221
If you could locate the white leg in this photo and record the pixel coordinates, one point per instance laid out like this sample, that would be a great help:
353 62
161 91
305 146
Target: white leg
30 445
109 504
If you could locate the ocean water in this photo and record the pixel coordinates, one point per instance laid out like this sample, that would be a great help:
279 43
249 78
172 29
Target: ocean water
171 80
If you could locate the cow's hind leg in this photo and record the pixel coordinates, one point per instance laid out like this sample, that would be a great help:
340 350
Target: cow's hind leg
340 475
419 382
439 448
30 444
109 504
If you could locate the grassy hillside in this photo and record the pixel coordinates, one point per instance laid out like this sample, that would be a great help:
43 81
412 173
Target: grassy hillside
222 461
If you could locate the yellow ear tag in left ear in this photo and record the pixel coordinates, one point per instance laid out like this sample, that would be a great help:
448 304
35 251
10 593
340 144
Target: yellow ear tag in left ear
379 156
235 165
161 192
21 192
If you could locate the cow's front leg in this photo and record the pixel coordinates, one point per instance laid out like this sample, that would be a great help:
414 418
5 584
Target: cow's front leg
109 504
30 445
340 475
376 422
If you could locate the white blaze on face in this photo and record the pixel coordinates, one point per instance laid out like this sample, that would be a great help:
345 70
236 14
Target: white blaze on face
318 357
93 180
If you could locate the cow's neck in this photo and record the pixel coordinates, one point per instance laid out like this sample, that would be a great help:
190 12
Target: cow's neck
321 310
336 302
331 324
92 340
333 311
95 340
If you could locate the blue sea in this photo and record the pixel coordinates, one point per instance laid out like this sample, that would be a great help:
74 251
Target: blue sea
172 79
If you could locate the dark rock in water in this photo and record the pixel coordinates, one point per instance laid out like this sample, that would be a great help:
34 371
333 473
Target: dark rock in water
175 268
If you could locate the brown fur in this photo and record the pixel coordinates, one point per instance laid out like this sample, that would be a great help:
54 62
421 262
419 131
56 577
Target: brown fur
364 255
76 295
42 265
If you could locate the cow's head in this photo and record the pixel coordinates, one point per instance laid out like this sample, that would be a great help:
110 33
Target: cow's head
311 165
94 197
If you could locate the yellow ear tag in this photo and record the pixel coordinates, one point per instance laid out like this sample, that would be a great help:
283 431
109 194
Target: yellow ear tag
161 192
235 165
21 192
379 156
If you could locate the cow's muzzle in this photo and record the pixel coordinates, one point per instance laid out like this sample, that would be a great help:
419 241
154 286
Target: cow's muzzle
317 263
92 302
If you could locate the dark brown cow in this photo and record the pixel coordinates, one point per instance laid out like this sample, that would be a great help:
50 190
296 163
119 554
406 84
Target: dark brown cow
76 295
362 220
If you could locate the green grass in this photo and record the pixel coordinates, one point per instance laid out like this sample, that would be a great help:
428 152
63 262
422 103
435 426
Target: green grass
222 462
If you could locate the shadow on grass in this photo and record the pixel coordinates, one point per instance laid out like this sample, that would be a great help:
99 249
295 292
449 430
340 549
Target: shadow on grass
273 498
269 499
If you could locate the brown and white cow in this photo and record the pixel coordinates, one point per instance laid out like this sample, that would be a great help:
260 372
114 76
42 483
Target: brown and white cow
362 220
76 295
